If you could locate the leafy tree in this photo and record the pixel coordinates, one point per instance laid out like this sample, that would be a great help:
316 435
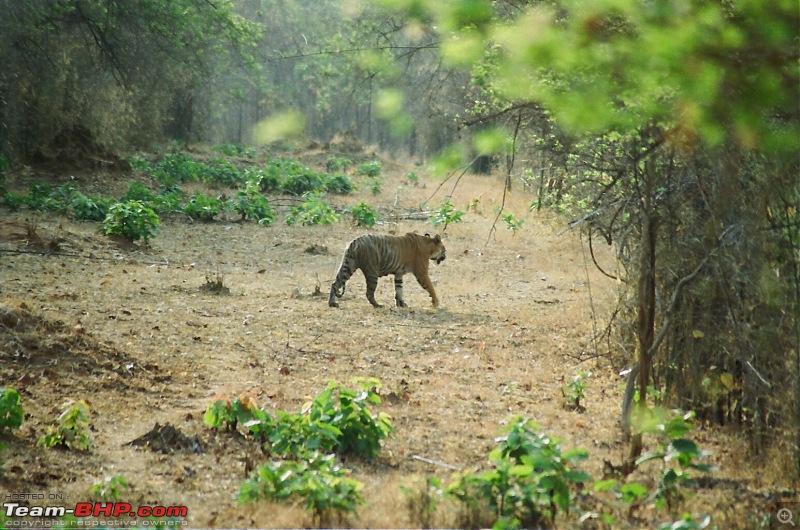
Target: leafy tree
129 71
678 128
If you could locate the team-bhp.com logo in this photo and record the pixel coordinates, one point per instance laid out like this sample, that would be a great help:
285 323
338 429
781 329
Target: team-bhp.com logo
114 513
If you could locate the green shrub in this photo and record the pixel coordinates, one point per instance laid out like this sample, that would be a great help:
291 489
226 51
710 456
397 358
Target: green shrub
306 182
447 214
314 211
137 192
71 429
324 487
364 214
110 488
250 204
235 150
513 223
266 181
222 172
242 411
528 483
139 164
14 201
45 198
169 199
338 420
337 163
371 168
293 435
574 391
412 178
361 430
178 168
131 220
375 185
677 455
203 208
11 413
90 207
339 183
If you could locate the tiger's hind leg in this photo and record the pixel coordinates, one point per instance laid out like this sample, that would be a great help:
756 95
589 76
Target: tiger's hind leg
338 287
398 290
372 284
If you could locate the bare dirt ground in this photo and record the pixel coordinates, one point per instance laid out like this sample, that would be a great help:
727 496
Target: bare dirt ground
132 332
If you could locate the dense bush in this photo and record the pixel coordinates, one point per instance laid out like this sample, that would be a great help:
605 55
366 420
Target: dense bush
314 211
131 220
90 207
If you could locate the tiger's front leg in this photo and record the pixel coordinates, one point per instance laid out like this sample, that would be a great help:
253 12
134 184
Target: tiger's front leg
372 284
398 290
426 283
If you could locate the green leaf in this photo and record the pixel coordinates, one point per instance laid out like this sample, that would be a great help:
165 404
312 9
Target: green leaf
605 485
633 491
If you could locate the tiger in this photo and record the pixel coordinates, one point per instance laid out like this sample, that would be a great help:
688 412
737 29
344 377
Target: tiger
380 255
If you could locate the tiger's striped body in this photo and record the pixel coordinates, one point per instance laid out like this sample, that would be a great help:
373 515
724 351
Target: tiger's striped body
379 255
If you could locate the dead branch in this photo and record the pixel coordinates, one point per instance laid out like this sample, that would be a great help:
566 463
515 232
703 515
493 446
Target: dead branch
435 462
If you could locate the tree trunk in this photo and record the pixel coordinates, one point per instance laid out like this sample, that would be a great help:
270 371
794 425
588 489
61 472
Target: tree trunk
646 305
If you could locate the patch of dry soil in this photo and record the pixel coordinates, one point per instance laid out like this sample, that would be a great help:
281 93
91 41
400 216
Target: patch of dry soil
134 334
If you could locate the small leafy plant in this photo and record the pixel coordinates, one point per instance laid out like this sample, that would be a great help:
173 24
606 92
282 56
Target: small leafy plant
678 457
110 488
314 211
528 483
446 214
90 207
71 430
574 391
131 220
360 431
337 163
44 198
302 183
364 214
370 168
222 172
235 150
178 168
266 181
203 208
250 204
138 192
11 412
339 183
412 178
512 223
244 411
324 487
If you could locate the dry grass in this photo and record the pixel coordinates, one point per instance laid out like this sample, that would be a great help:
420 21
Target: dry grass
159 346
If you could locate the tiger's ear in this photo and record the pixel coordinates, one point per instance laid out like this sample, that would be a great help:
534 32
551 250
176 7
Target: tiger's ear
437 239
427 235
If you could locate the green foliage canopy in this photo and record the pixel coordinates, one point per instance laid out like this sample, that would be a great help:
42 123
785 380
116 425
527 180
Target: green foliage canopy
716 72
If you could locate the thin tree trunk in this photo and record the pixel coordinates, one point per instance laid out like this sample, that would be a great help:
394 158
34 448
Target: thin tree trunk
646 305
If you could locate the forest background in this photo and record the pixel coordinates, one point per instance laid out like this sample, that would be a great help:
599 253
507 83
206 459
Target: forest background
668 129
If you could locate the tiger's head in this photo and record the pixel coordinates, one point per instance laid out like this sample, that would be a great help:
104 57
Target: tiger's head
437 250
